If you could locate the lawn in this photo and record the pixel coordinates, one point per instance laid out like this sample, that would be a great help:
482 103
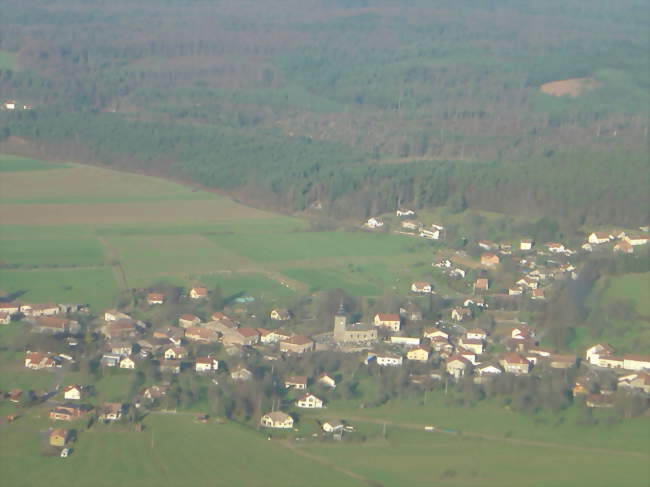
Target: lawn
332 278
256 285
95 287
7 60
172 450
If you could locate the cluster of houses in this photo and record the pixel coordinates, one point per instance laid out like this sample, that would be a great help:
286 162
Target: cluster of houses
408 226
620 242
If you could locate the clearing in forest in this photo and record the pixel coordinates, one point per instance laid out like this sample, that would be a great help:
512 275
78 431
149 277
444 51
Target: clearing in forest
572 87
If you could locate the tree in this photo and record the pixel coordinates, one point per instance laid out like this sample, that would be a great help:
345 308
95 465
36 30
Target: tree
216 298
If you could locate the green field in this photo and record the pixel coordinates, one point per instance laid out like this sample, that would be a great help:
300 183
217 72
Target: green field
635 287
79 251
7 60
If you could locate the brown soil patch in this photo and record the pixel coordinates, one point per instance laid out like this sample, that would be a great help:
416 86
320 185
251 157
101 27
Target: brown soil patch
569 87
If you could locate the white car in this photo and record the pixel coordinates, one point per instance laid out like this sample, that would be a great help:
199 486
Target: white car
65 452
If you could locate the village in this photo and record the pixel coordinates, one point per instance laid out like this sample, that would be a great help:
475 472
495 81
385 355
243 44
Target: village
479 339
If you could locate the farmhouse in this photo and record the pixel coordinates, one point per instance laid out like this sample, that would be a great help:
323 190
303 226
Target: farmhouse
110 411
58 437
120 347
522 332
201 334
490 260
526 244
206 364
188 320
296 382
635 240
514 363
418 354
277 419
309 401
555 247
199 292
388 320
595 352
38 310
481 284
389 360
326 380
280 314
297 344
457 365
636 362
73 392
268 337
422 288
597 238
120 329
155 298
37 361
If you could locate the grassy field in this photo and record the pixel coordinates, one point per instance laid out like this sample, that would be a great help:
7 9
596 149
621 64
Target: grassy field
635 287
7 60
62 217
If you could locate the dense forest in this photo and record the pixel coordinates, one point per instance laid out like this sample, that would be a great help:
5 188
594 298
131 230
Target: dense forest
361 105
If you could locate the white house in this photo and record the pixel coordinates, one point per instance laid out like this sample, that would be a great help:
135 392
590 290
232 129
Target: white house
636 362
73 392
405 212
488 370
597 351
405 341
277 419
389 360
476 334
433 234
635 240
333 426
127 363
597 238
374 223
422 287
391 321
526 244
198 293
309 401
326 380
206 364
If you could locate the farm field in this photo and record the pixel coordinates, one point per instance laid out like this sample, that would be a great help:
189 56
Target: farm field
634 287
83 233
172 450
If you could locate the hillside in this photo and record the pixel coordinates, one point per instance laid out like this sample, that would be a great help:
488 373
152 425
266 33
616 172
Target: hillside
359 105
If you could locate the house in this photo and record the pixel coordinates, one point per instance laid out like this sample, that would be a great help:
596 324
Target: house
188 320
457 366
59 437
597 238
333 426
9 105
120 329
411 225
297 344
199 292
406 212
268 337
280 314
114 315
514 363
595 352
515 291
206 364
538 295
391 321
66 412
522 332
624 247
170 366
111 359
482 284
555 247
563 361
241 373
155 298
611 362
433 332
309 401
53 325
374 223
421 288
487 245
201 334
490 260
476 334
240 336
38 361
457 273
110 411
127 363
155 392
405 341
175 353
120 347
433 234
638 381
10 308
277 419
39 310
418 354
488 370
442 346
636 362
472 344
526 244
635 240
296 382
461 314
326 380
5 318
389 360
73 392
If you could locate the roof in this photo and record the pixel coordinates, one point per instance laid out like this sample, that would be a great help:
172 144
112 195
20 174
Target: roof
458 358
515 358
204 360
278 416
306 395
189 317
247 331
200 290
111 407
388 316
296 379
72 387
638 358
59 432
155 297
52 322
298 340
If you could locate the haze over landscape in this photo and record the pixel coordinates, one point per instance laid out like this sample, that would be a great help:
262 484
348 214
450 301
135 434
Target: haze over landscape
324 242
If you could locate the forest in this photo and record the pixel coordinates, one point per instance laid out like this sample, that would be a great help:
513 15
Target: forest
358 105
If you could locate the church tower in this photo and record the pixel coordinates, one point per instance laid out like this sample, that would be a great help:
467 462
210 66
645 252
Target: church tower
340 324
